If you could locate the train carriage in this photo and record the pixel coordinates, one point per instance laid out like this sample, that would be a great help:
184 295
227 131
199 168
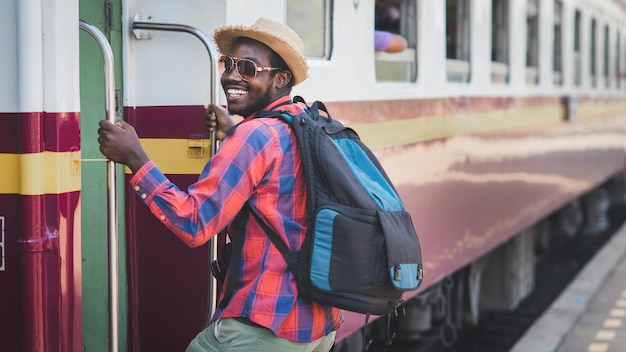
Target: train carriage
502 126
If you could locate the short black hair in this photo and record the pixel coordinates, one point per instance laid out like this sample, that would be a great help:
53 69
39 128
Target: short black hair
278 62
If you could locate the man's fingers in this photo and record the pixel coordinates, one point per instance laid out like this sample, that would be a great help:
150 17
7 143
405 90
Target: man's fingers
217 109
105 124
108 125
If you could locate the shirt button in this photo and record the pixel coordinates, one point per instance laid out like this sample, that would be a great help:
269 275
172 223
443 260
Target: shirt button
143 196
136 188
162 217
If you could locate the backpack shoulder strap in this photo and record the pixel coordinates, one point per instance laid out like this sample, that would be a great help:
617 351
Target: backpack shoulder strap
277 241
283 115
293 259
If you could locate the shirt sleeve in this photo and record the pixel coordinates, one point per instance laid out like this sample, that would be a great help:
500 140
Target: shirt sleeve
228 180
382 40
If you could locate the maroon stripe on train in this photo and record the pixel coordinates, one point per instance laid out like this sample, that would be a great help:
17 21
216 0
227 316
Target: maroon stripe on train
30 132
383 110
167 121
8 133
61 131
35 132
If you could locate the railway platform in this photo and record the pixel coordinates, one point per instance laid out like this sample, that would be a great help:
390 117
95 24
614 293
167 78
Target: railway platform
590 314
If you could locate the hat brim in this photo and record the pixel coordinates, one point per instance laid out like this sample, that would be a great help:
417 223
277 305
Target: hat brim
296 62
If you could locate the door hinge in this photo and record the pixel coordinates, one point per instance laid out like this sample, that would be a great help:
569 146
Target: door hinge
108 16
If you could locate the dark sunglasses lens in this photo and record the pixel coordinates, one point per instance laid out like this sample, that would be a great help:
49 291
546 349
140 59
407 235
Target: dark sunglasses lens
228 63
247 69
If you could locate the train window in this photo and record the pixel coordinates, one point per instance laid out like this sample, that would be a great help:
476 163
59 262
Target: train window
532 42
500 41
605 61
576 58
399 17
458 40
592 54
312 21
557 54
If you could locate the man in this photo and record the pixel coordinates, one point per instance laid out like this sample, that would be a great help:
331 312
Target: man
387 28
258 165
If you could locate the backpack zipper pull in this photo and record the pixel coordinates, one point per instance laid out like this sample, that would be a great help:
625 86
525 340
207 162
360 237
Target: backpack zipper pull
399 307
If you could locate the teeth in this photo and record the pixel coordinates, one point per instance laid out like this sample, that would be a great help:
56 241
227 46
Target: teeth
237 92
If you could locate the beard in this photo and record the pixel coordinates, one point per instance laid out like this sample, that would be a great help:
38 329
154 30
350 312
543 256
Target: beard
255 106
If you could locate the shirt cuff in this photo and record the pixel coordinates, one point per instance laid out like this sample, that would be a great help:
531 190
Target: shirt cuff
146 180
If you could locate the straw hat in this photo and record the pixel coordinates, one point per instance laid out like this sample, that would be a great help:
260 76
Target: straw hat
278 36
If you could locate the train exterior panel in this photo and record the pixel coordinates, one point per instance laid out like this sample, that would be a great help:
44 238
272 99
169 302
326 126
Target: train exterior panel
483 135
40 197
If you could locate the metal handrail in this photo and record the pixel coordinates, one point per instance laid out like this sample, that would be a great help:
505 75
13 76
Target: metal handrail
109 83
215 87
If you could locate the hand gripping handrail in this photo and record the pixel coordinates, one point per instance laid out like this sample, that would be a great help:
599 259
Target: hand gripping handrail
109 83
138 24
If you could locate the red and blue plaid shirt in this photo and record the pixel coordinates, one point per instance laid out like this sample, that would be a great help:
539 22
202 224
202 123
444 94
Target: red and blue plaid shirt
257 163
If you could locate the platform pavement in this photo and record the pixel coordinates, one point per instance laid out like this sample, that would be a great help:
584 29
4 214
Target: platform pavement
590 314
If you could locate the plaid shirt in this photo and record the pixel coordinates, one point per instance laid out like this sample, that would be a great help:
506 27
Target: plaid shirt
257 163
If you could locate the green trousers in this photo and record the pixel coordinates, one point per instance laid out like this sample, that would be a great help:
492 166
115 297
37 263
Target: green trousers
234 336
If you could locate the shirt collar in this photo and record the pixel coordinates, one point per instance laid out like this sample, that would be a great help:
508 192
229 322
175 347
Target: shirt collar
283 103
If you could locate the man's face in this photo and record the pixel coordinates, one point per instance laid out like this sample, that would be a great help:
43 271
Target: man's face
247 97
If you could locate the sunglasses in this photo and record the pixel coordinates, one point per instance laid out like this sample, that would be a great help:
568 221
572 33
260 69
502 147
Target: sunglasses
247 69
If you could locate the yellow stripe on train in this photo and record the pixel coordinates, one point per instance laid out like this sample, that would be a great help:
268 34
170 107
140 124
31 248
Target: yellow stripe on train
177 156
172 156
400 132
54 172
40 173
60 172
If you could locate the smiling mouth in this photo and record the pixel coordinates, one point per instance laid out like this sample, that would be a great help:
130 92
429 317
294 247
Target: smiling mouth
235 93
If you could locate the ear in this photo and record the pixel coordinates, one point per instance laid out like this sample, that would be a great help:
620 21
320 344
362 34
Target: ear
282 78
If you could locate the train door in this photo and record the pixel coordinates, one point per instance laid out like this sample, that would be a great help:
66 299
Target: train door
167 80
105 15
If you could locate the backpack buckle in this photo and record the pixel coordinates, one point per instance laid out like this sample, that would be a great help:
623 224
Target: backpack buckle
397 272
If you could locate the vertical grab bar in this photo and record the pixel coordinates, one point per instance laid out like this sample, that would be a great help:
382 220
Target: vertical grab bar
215 87
109 83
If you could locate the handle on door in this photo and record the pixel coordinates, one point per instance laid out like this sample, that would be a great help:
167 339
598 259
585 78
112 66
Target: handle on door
109 83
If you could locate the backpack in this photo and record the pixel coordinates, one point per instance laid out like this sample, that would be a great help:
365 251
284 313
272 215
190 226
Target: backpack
361 251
